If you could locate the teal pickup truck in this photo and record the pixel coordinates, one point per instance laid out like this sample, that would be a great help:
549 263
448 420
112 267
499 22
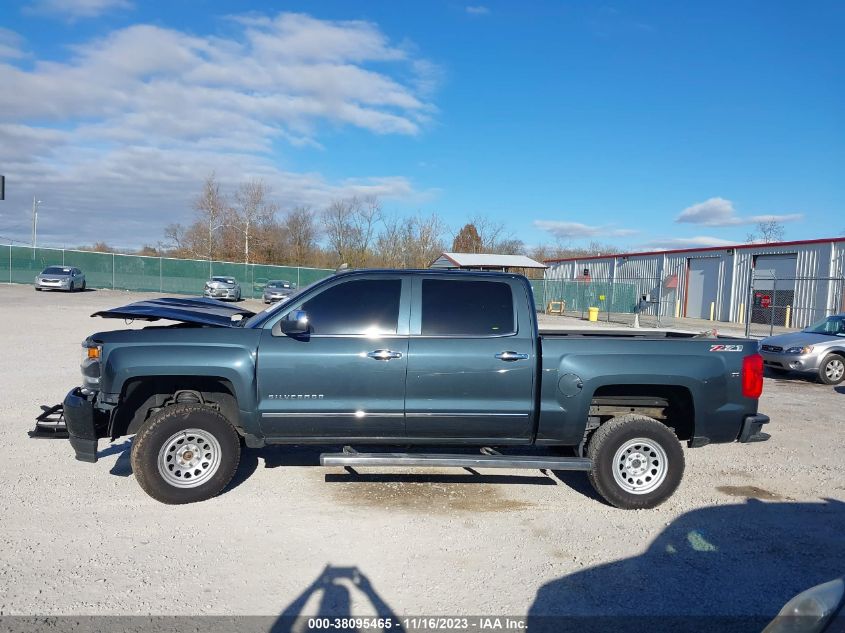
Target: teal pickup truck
453 361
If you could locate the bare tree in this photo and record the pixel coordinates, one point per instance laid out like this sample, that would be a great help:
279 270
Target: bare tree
349 225
767 232
390 249
491 233
425 241
186 241
303 233
252 211
211 205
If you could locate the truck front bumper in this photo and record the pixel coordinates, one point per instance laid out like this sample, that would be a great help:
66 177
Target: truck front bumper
752 429
81 419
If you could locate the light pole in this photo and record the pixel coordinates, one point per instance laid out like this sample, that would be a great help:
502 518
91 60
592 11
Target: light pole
35 203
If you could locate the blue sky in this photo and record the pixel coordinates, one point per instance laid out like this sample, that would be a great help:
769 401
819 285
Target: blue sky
646 125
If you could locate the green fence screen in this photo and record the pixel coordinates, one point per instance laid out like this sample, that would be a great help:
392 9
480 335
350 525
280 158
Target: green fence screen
607 296
20 264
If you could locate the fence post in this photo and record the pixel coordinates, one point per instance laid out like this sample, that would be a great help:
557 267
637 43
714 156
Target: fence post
160 274
772 309
112 271
545 295
659 296
750 302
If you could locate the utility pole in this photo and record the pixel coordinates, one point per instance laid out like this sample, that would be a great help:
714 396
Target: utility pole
35 203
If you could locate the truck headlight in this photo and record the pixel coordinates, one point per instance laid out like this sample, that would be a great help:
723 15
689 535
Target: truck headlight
806 349
90 365
810 610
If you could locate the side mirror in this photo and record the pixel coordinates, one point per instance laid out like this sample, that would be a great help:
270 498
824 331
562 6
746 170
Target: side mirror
295 323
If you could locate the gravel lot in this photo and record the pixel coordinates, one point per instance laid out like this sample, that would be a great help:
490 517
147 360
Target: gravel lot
750 526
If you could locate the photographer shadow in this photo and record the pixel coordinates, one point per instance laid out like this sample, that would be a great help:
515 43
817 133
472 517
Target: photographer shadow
333 590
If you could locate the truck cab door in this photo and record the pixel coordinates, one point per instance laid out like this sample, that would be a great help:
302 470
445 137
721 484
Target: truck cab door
345 378
472 361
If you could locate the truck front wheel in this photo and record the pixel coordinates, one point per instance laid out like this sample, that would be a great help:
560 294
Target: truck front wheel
185 453
637 462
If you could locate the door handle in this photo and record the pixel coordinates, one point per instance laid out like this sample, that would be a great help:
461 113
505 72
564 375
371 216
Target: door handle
384 354
511 356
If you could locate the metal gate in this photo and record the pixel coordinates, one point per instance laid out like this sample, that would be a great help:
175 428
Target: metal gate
778 304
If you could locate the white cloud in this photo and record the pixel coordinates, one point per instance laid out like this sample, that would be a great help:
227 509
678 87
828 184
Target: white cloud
576 230
686 242
721 212
477 10
10 44
73 9
129 125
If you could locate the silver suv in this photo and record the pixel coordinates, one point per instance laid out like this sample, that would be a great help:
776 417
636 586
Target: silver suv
60 278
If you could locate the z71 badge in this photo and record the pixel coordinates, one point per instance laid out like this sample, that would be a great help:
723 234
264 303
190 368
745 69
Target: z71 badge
726 348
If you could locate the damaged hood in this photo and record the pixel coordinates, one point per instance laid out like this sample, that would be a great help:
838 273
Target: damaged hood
200 311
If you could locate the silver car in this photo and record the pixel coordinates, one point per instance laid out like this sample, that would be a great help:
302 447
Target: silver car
278 289
818 349
223 288
60 278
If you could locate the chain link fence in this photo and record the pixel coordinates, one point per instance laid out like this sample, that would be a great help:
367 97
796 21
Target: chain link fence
20 264
784 304
648 300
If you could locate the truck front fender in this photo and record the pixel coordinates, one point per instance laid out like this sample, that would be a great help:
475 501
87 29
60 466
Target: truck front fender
183 363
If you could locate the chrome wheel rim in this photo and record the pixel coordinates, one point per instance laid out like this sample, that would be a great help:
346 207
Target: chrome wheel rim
189 458
640 466
834 370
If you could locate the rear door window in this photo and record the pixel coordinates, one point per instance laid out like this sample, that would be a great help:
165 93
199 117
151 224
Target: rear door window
466 308
366 306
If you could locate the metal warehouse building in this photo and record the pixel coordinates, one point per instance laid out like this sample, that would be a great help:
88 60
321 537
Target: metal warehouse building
789 284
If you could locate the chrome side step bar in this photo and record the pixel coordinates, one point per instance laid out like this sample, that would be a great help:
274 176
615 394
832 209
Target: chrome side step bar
350 458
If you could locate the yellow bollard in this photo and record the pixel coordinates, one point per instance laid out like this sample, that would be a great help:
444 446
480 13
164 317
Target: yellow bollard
678 308
788 315
593 314
712 310
741 313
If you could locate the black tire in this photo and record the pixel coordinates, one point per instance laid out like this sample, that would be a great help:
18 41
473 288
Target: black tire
83 285
37 289
71 287
611 437
832 369
158 432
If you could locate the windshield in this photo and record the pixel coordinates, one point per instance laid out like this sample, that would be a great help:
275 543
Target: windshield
225 280
56 270
832 326
278 284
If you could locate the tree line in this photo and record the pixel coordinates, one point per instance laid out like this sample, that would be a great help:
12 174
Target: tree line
248 226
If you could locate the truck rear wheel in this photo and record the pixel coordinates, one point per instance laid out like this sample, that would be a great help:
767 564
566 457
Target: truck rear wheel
185 453
637 462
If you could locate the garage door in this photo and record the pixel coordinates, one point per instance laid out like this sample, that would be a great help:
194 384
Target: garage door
769 268
702 286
